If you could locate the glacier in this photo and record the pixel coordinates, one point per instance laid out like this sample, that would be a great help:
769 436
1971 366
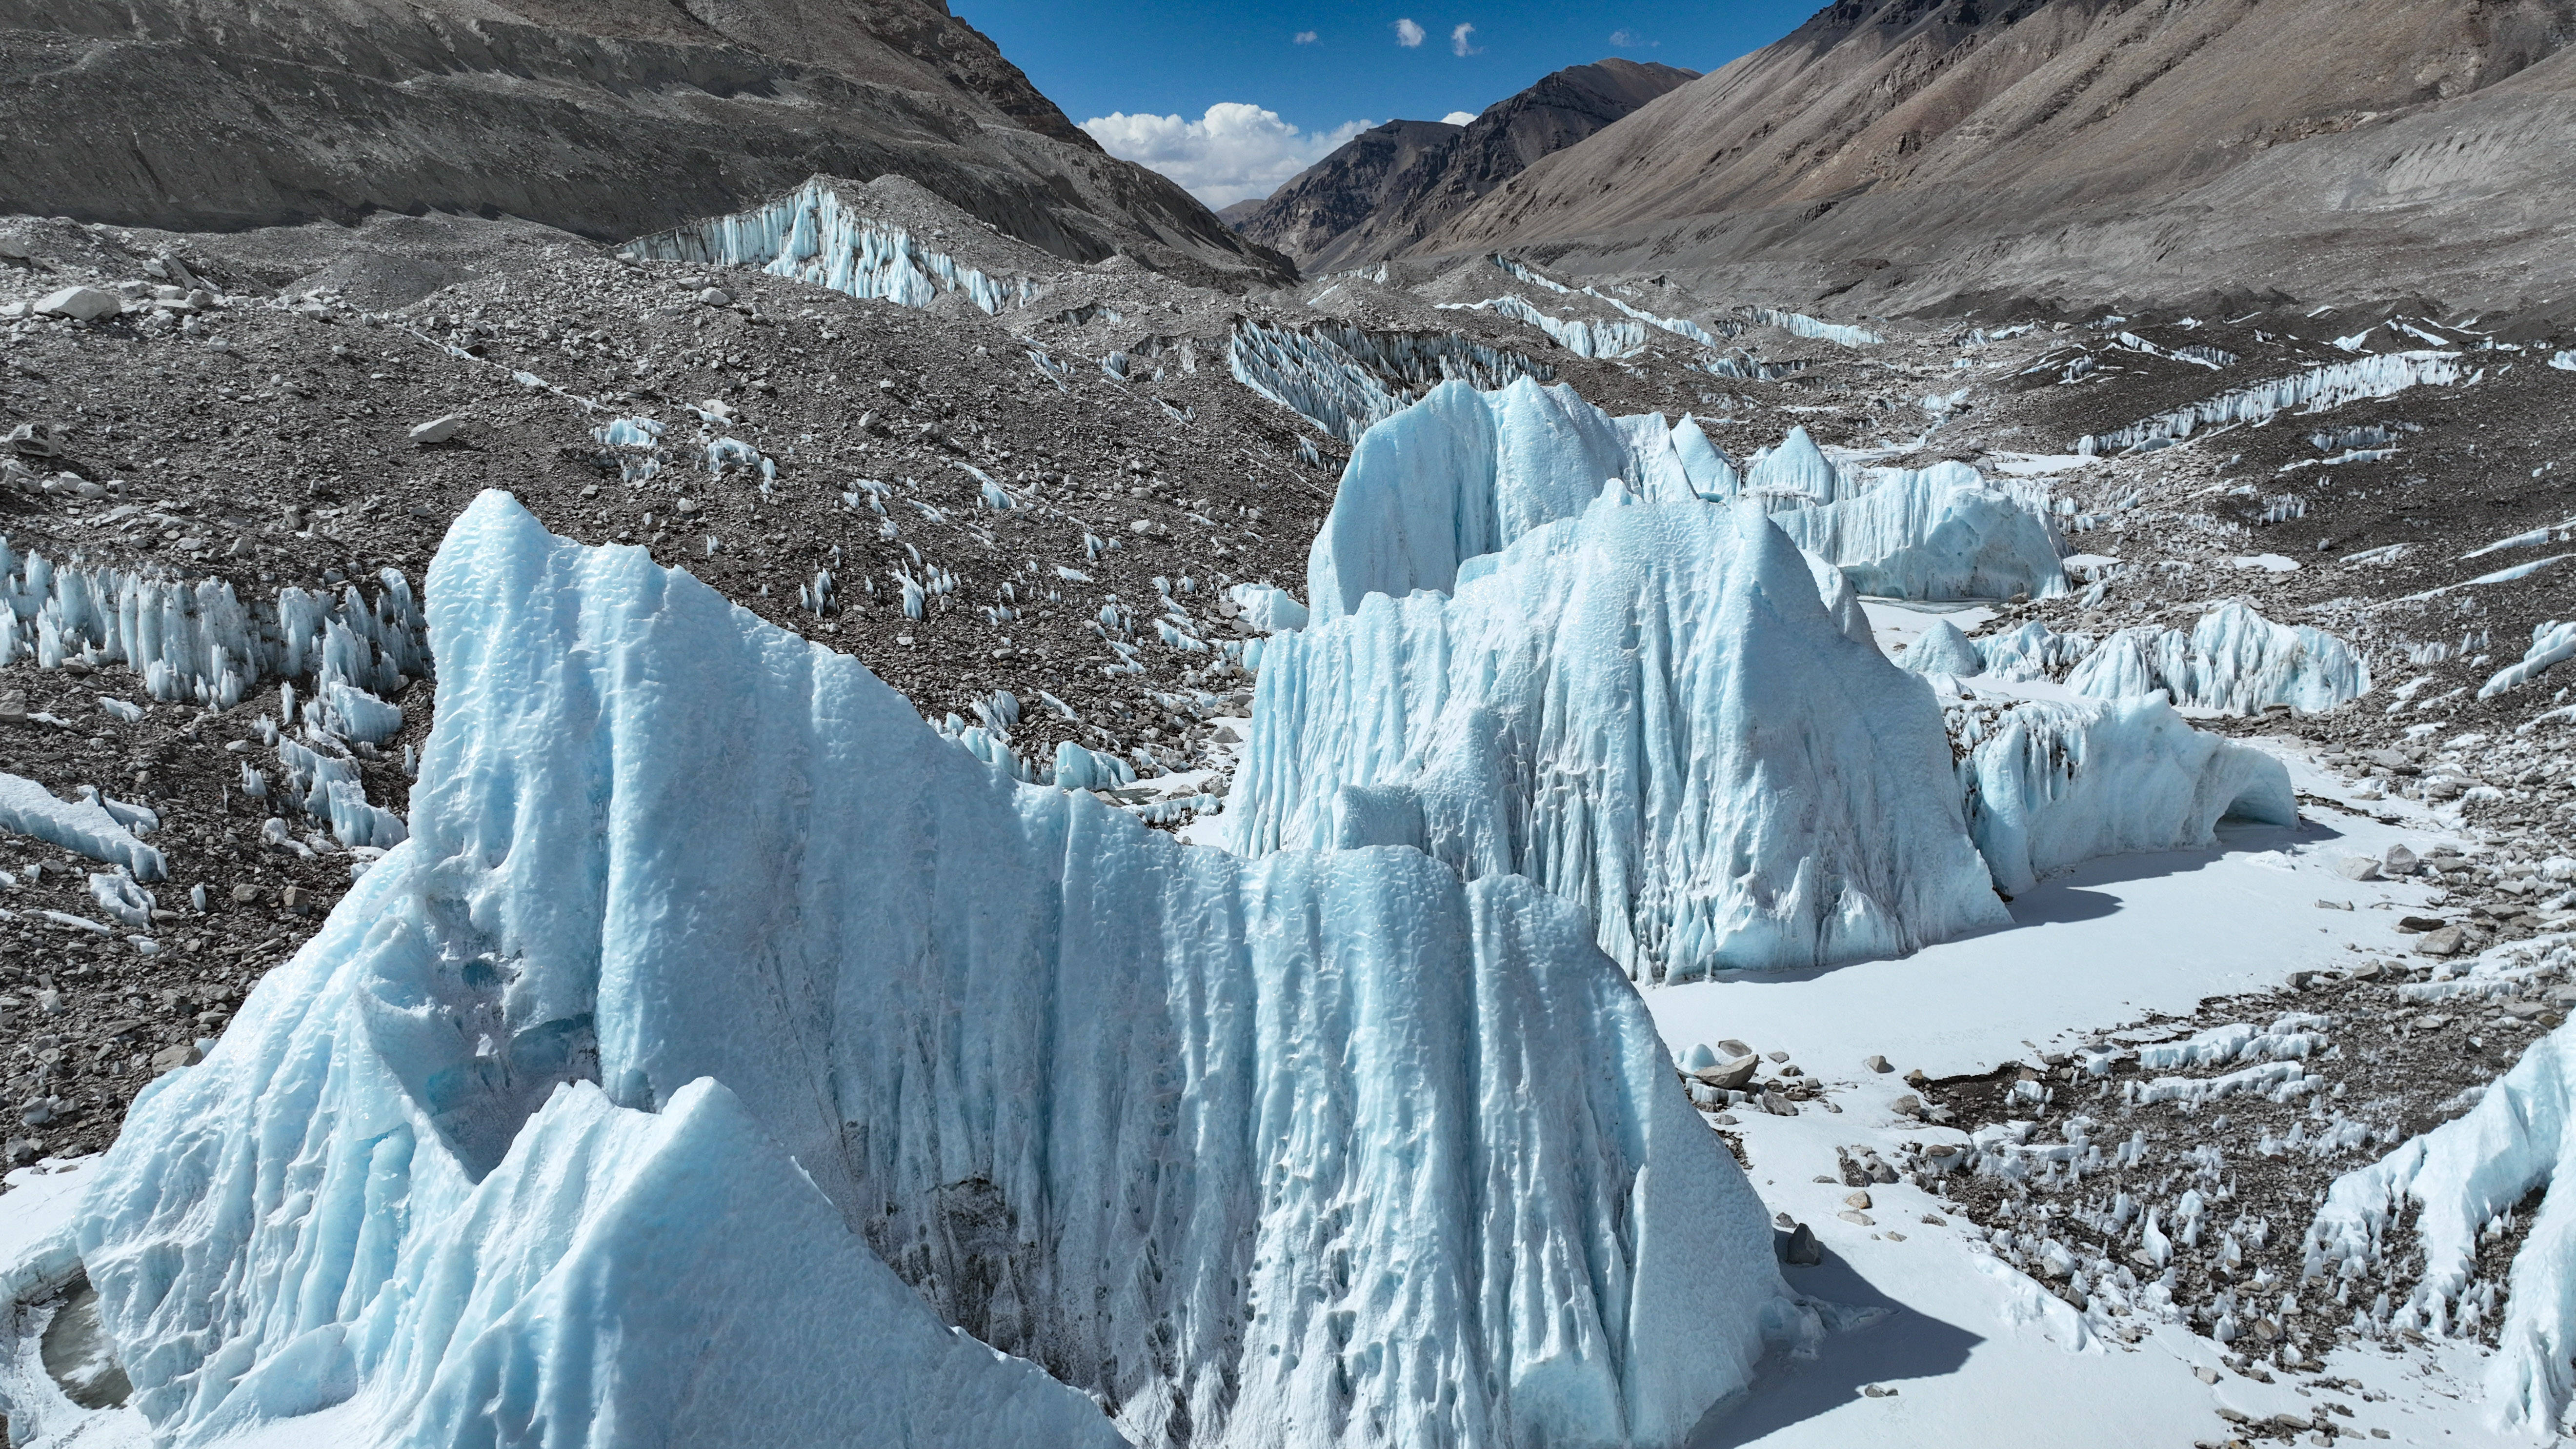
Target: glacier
2328 385
2458 1179
1932 533
2051 783
1347 379
813 234
84 827
714 991
1648 708
196 640
2233 661
1463 473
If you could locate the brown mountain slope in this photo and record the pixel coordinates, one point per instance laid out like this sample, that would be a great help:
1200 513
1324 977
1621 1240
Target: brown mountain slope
1390 186
2062 146
605 117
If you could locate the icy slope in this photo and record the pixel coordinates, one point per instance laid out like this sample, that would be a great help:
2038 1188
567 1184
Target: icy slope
1309 1150
2234 660
2049 784
1931 533
2449 1186
1649 710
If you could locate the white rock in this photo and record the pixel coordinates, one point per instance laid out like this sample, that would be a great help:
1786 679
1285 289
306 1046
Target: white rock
81 304
437 430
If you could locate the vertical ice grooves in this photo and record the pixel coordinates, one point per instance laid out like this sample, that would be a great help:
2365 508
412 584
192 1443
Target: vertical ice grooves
1344 379
1224 1142
808 235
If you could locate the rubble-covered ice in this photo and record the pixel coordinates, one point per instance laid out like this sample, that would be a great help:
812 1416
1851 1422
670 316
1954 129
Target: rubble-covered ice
2051 783
2435 1199
710 976
1650 710
1932 533
2233 661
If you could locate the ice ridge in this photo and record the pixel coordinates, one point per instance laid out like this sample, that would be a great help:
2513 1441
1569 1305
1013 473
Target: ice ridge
1346 379
2233 661
2049 784
1650 710
2329 385
709 972
1932 533
2460 1178
810 236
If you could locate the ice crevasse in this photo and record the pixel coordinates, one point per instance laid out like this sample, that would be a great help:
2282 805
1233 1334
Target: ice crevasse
715 997
1651 710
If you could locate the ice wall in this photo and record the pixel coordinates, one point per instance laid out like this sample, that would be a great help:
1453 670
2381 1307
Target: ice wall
2458 1179
1648 709
1346 379
811 236
2049 784
2234 661
2317 389
1932 533
1801 325
1301 1151
84 827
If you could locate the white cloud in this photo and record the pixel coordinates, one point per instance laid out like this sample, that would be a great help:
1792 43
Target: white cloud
1408 34
1305 37
1459 44
1458 118
1233 152
1628 39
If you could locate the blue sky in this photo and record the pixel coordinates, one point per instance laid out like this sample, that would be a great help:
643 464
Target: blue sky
1232 99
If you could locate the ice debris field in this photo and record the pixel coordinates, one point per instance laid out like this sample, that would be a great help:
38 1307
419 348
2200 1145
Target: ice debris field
709 995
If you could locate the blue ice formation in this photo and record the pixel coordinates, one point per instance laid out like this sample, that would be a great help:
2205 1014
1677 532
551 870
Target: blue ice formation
2032 651
1267 608
84 827
1933 533
1463 473
1647 708
813 234
717 1004
2434 1199
2329 385
2234 661
2551 643
2049 783
196 640
1801 325
1346 379
1942 649
1797 472
1584 337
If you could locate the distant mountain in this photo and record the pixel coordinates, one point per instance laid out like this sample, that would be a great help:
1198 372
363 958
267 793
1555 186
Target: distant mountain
1908 152
1390 186
604 117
